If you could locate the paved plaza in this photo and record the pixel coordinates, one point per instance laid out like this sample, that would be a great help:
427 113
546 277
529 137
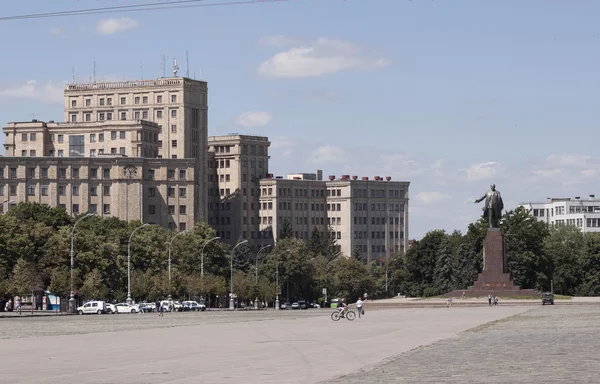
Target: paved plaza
221 347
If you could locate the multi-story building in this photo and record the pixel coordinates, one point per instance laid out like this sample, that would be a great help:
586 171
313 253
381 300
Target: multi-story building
582 213
155 191
236 164
160 126
368 217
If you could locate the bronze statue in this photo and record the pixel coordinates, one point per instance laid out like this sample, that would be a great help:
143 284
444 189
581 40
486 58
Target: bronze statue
493 206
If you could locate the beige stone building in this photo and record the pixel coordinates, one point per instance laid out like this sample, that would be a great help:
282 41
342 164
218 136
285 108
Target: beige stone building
155 191
236 164
131 149
369 217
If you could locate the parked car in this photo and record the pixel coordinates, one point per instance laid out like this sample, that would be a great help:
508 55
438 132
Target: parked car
176 305
295 305
110 308
193 306
286 306
148 307
547 298
97 307
303 304
126 308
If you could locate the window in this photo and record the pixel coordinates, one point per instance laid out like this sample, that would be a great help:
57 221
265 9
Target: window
173 113
152 209
24 153
44 173
159 114
101 137
88 102
182 192
136 100
75 173
173 98
32 137
62 173
151 174
137 115
170 192
92 138
101 101
106 208
182 209
61 138
60 153
23 137
182 226
106 173
123 100
123 115
31 190
145 99
75 190
109 101
106 190
151 192
88 117
174 143
73 117
32 153
159 99
93 208
101 116
113 151
61 190
144 114
31 173
182 173
13 190
171 209
76 146
109 116
122 150
171 173
121 134
44 190
113 135
93 191
174 128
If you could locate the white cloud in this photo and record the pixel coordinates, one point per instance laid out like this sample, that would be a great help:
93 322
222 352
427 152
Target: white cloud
321 57
283 144
48 92
482 171
254 119
114 25
431 197
56 31
328 154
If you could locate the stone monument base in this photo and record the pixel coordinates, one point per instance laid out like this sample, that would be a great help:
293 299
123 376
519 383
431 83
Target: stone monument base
493 280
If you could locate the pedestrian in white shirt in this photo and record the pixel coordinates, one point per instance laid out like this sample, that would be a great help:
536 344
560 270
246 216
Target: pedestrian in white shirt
359 307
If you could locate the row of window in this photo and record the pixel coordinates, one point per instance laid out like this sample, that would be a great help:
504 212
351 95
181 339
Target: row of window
123 100
108 116
375 193
227 149
379 207
93 190
378 235
93 173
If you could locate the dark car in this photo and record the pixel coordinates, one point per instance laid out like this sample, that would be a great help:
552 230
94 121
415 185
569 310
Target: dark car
302 304
547 298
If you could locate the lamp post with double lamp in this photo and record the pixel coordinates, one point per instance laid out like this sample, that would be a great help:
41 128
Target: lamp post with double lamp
5 201
202 263
258 254
129 300
277 278
231 306
72 306
171 243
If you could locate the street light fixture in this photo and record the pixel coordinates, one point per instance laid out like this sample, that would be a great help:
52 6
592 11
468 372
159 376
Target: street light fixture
72 307
202 263
129 262
6 201
257 254
171 243
231 307
277 278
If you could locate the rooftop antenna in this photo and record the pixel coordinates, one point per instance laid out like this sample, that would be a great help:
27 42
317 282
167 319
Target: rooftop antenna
162 64
94 72
187 59
175 68
73 75
141 70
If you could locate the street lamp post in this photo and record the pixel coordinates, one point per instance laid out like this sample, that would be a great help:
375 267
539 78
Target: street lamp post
257 254
231 307
129 262
5 201
72 307
277 279
202 261
171 243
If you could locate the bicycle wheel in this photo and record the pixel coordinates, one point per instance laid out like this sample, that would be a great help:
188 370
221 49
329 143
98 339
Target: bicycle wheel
350 315
335 316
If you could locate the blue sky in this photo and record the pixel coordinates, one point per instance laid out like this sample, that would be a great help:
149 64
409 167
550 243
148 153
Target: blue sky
450 95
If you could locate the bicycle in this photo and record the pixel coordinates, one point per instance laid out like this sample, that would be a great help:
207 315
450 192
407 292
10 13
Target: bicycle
350 315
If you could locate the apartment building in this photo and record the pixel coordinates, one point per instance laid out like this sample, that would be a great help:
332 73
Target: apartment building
369 217
580 212
155 191
236 165
159 125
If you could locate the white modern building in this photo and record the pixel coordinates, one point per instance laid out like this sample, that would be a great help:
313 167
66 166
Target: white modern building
583 213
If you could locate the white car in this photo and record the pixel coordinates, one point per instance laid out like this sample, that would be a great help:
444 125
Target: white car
97 307
176 306
110 308
126 308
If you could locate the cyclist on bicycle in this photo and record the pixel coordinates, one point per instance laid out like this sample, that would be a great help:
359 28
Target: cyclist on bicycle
342 307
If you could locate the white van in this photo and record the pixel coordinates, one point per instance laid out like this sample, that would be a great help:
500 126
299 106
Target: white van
97 307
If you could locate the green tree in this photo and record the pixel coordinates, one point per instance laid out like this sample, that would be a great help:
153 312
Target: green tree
243 257
565 248
285 232
51 217
315 243
445 268
357 253
420 261
93 286
351 278
25 278
60 282
589 265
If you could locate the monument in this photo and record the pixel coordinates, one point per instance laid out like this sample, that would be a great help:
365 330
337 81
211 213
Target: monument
494 279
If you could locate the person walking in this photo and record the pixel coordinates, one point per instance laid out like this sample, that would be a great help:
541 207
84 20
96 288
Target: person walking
18 306
490 300
359 307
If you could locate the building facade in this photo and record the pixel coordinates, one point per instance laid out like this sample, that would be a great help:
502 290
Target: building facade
159 126
236 165
369 217
582 213
155 191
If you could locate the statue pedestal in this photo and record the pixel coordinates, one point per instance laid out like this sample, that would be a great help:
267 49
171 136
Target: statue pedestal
494 279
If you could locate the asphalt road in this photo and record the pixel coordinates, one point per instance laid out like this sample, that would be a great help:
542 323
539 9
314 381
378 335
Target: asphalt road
221 347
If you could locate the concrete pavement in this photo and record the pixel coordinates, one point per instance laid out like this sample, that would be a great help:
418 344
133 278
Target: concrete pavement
286 349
